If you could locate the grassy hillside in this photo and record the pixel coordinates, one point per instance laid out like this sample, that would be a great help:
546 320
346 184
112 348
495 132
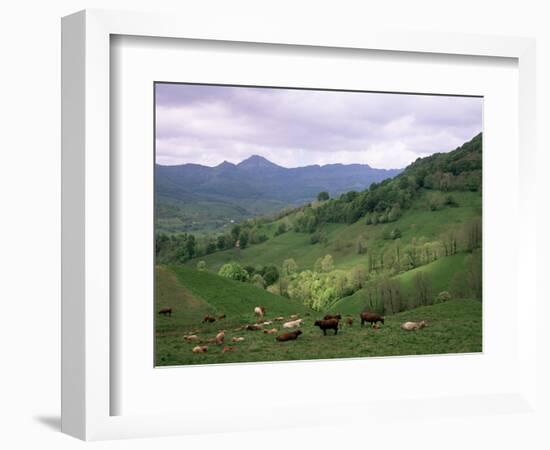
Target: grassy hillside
193 294
441 272
453 327
416 223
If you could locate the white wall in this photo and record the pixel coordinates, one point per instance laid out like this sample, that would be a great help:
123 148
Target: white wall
30 187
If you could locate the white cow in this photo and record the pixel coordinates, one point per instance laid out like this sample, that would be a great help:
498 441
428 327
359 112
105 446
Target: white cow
413 326
293 323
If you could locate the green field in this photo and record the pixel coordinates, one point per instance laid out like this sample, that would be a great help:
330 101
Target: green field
453 327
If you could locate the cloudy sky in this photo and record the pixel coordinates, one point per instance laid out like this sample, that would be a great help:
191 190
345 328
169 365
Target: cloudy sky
209 124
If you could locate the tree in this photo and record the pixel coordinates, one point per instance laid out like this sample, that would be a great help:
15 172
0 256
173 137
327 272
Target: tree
201 265
323 196
458 286
235 232
281 229
422 289
395 234
361 245
234 271
327 263
221 242
289 267
190 246
472 234
258 281
474 274
243 239
210 247
270 274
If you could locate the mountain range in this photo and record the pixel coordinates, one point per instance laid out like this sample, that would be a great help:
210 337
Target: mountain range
193 196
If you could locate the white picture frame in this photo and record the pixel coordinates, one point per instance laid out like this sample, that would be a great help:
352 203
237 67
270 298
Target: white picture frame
87 385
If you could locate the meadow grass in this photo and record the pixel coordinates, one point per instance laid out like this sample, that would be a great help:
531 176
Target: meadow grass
454 326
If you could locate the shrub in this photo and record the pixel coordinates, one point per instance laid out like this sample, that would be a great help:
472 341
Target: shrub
201 265
234 271
443 296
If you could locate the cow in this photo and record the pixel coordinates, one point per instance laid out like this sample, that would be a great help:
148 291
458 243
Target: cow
220 337
371 317
166 312
327 324
208 319
293 323
413 326
290 336
259 311
200 349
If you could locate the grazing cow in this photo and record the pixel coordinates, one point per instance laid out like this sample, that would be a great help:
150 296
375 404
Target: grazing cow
291 336
413 326
166 312
191 337
208 319
253 327
293 323
294 316
228 348
333 316
269 322
220 337
327 324
279 319
367 316
221 317
259 311
272 331
237 339
349 321
200 349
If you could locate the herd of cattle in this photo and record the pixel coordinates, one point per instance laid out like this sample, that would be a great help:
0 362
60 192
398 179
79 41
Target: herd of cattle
329 322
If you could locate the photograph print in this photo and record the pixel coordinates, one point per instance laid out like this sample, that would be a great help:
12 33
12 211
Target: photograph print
300 224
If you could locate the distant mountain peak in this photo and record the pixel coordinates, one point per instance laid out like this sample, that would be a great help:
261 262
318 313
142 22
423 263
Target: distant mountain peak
256 162
225 164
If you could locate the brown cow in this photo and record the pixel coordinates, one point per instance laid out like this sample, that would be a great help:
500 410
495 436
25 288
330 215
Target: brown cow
208 319
166 312
290 336
329 324
349 321
371 317
253 327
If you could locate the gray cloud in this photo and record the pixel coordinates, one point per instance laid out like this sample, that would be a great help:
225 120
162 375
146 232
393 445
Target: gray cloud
209 124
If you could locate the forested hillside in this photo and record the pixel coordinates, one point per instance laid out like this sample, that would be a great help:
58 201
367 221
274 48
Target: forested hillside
361 248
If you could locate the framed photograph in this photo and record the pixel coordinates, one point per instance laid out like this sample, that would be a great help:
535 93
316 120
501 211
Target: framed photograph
245 206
